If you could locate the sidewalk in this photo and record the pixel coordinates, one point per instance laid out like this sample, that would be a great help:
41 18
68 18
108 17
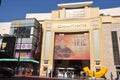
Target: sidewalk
43 78
53 78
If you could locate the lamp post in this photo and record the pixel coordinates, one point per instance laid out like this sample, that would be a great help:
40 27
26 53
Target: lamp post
18 64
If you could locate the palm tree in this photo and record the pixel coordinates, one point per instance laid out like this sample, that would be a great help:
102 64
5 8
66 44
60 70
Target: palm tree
0 2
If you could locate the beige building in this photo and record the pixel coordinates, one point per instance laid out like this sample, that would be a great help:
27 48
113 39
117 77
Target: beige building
86 32
76 20
111 49
5 27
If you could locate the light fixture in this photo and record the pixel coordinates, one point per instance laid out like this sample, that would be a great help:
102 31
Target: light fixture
46 61
97 62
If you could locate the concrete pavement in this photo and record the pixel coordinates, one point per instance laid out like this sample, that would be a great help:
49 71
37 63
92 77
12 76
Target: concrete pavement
42 78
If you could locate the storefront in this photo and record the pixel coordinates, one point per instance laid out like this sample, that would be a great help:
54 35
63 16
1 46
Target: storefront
23 50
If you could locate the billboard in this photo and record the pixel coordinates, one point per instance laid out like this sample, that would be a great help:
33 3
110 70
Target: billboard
72 46
7 46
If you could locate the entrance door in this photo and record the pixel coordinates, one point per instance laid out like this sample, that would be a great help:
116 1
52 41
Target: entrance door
77 65
72 50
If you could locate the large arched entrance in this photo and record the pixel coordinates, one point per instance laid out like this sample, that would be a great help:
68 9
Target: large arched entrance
71 51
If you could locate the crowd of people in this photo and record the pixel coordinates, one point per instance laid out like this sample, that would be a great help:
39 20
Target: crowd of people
68 74
57 73
24 71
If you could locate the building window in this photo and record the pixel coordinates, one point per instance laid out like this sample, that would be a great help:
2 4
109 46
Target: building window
75 13
47 45
95 23
96 44
48 25
115 47
23 32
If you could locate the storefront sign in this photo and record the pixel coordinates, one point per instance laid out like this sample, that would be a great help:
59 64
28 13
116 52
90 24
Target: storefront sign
23 46
74 25
23 23
0 43
23 54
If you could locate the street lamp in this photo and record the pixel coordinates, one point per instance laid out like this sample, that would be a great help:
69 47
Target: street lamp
18 64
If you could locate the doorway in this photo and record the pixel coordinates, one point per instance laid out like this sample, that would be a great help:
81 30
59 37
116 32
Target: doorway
76 65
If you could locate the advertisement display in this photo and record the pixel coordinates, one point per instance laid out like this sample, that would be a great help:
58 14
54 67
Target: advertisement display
72 46
0 42
7 46
23 54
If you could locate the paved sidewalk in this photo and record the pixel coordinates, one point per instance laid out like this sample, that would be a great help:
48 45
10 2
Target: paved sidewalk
43 78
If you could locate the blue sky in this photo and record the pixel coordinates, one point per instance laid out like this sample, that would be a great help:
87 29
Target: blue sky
17 9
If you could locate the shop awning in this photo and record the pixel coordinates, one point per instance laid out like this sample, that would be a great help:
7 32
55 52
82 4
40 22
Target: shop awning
21 60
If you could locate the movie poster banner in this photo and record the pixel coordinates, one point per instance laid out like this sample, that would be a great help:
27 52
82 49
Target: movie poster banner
72 46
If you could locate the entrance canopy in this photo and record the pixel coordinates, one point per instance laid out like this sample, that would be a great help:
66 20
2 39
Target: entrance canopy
21 60
61 68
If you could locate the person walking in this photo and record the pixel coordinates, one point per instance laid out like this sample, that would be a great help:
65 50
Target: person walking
119 76
65 74
111 76
87 76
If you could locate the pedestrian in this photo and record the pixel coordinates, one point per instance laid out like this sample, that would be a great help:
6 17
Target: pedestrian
111 76
82 74
68 74
94 76
24 71
65 74
53 74
48 72
71 74
87 76
119 76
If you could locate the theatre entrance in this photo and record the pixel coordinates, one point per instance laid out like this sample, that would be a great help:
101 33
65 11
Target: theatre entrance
72 65
71 51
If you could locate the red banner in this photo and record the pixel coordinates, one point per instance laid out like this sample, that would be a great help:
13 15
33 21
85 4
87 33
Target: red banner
74 46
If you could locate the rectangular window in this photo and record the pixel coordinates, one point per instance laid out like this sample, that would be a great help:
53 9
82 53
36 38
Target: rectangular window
47 45
115 47
96 44
75 13
22 32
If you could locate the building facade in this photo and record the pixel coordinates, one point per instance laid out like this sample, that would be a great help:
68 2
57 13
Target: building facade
111 47
26 51
28 33
5 28
77 35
